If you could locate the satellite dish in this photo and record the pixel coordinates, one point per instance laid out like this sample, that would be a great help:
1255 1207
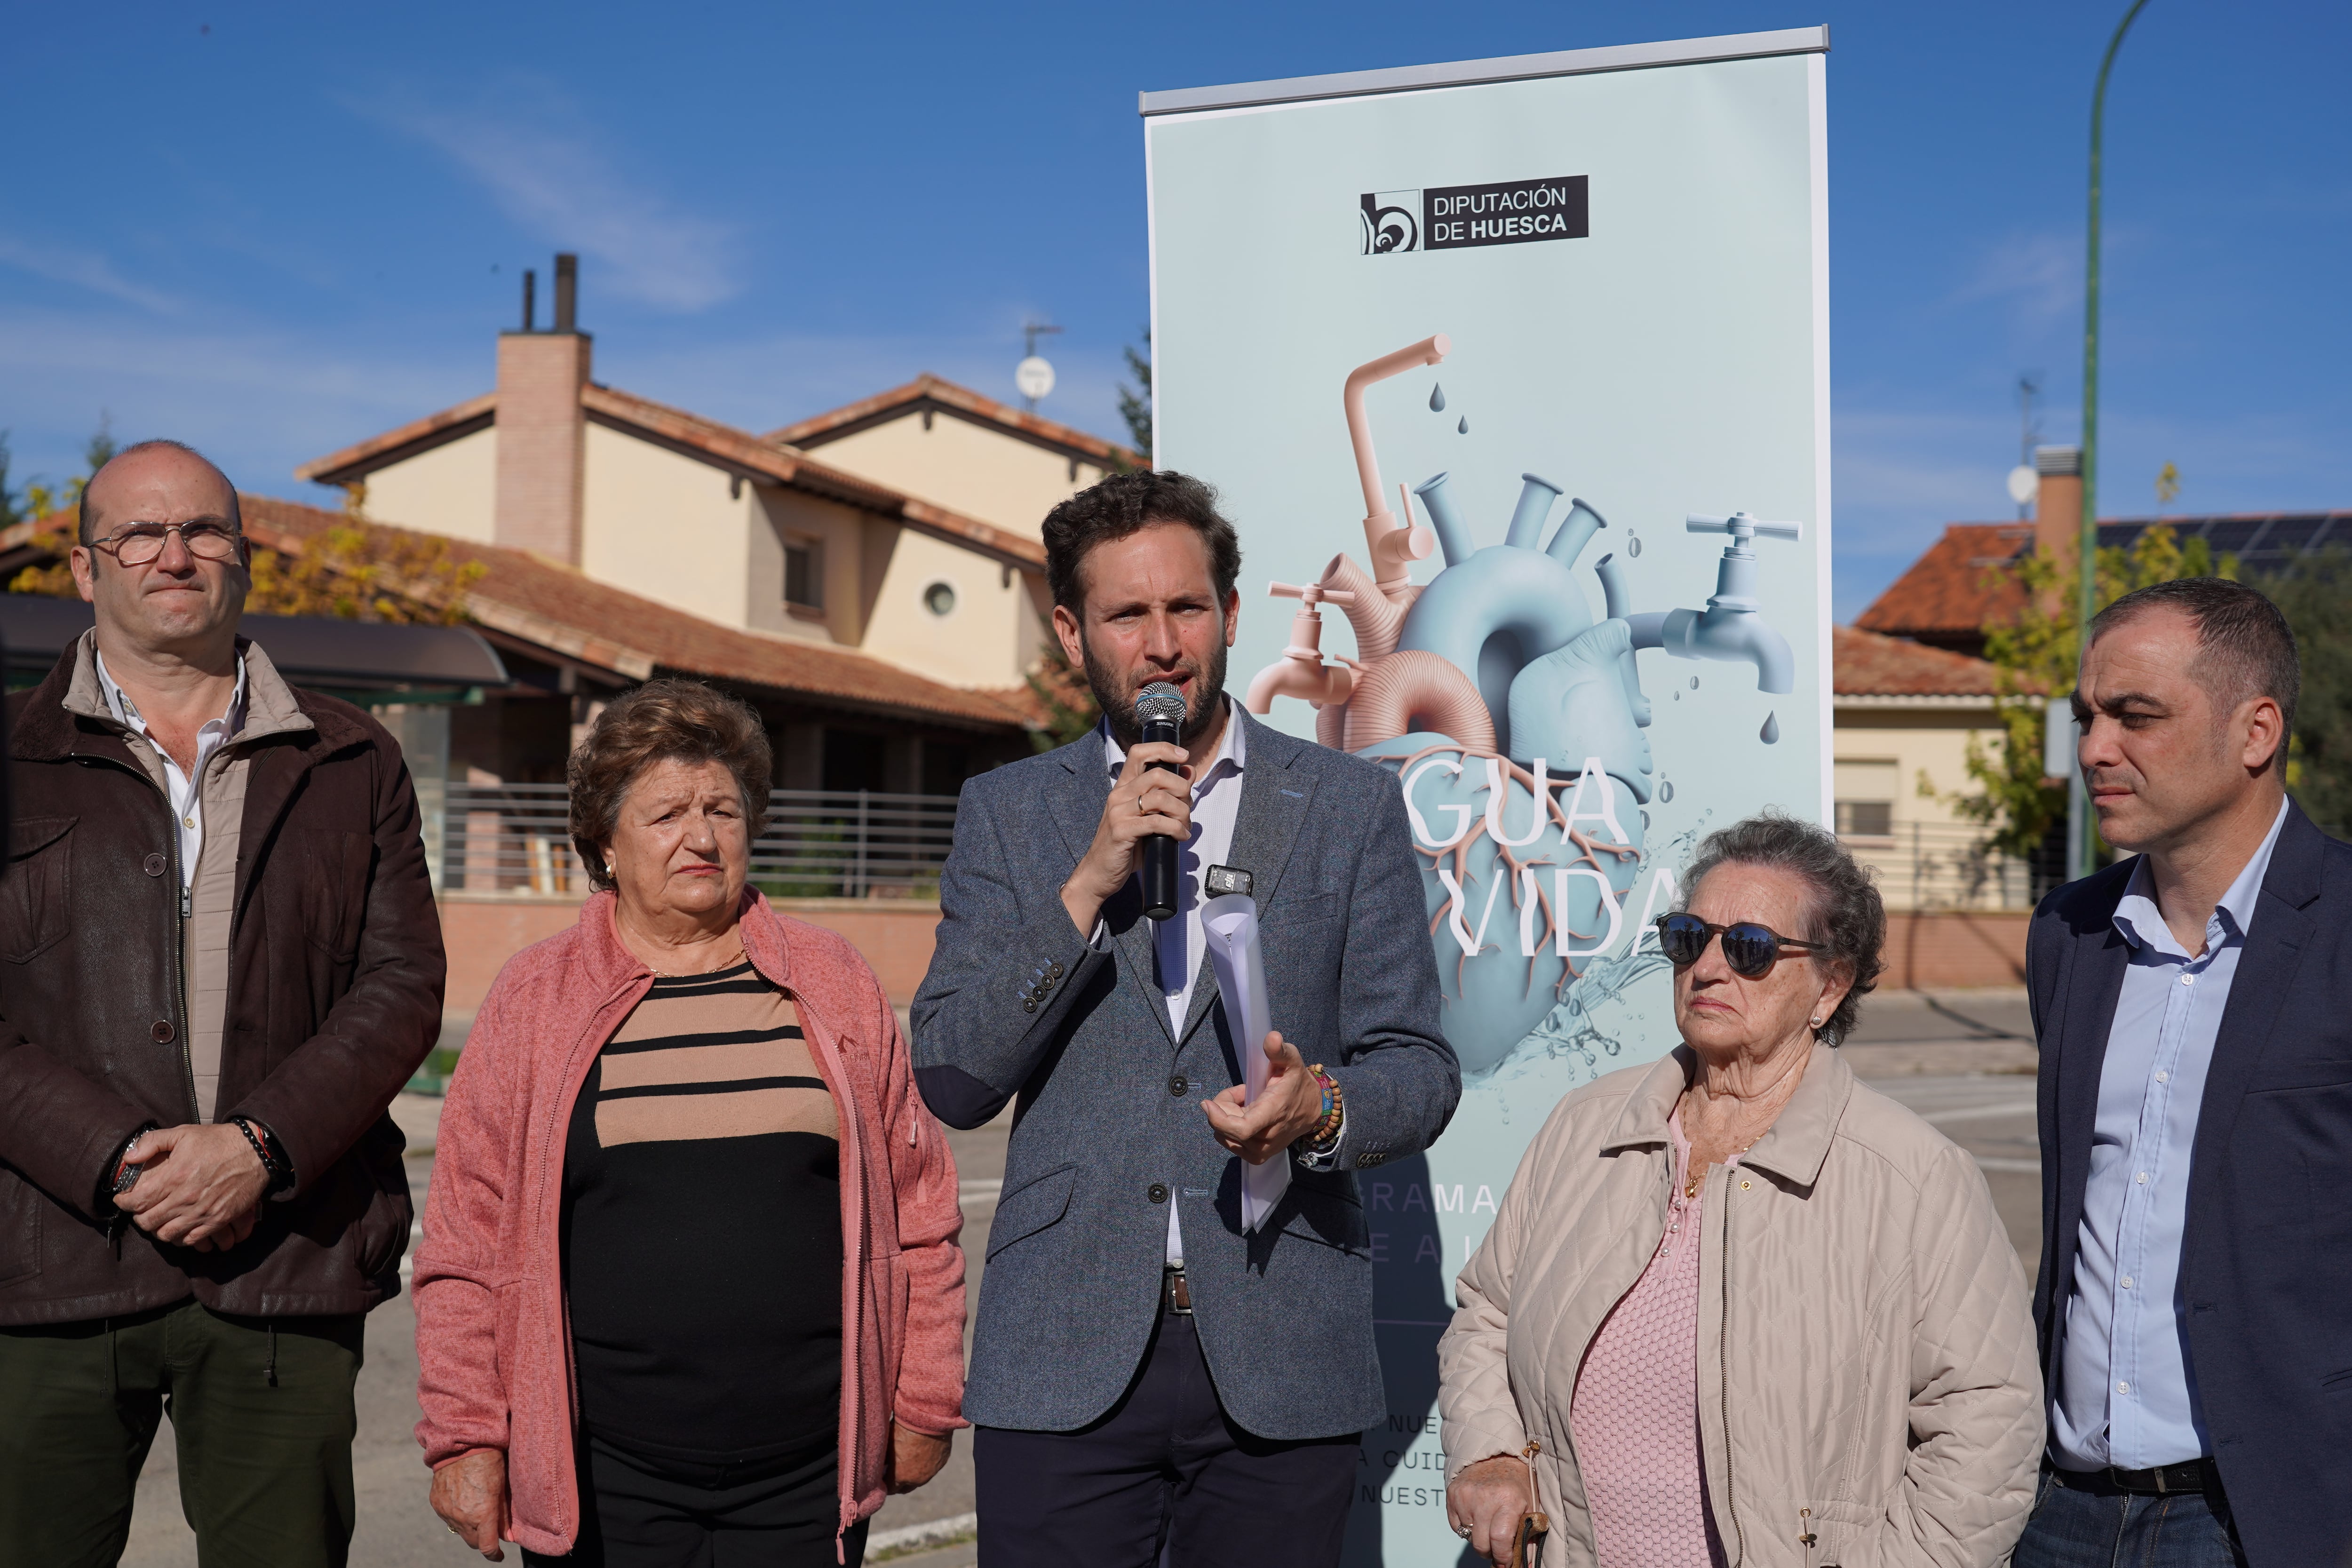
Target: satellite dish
1035 377
2023 484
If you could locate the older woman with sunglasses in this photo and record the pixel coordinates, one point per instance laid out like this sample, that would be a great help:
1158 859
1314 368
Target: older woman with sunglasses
1737 1306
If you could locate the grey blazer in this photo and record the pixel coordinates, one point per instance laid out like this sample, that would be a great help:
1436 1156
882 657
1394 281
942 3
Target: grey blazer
1108 1129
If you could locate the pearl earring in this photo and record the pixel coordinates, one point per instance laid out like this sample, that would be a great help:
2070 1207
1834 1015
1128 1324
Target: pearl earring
1816 1022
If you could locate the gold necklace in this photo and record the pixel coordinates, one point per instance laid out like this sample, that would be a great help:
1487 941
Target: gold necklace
739 955
1698 1177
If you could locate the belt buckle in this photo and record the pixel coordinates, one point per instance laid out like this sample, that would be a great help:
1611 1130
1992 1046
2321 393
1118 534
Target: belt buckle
1175 1295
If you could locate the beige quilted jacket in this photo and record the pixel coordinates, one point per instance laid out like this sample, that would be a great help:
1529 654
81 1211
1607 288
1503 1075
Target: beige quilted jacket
1868 1390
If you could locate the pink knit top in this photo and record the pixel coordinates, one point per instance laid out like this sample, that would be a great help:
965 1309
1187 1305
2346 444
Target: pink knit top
1634 1416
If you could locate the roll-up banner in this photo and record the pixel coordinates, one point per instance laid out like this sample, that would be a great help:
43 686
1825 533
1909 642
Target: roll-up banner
1514 375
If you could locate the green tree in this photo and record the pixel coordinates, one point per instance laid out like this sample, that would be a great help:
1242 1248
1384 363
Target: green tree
101 450
2311 593
12 507
2033 654
1061 691
1135 402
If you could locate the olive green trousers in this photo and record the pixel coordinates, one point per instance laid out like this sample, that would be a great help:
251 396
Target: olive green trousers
262 1415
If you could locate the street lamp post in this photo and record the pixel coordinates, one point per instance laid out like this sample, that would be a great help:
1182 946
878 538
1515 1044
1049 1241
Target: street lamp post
2080 847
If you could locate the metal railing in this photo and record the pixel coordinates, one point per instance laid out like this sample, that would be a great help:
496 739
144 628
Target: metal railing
515 841
1943 866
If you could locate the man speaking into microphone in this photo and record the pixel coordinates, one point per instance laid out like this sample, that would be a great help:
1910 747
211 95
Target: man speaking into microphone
1146 1374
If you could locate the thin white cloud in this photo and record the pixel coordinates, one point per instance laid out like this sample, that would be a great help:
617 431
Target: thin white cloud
83 269
553 179
258 401
2038 274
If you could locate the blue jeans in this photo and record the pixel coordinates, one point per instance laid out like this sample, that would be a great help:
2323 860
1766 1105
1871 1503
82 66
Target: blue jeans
2074 1528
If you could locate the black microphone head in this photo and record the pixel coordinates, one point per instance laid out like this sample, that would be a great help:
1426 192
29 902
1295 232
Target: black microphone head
1159 702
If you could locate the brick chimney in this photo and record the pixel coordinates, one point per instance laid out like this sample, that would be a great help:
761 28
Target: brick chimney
542 435
2058 504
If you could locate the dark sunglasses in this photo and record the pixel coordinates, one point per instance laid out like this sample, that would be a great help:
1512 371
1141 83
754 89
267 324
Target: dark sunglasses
1751 949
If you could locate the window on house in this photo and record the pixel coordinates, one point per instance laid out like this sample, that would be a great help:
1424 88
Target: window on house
805 573
1865 818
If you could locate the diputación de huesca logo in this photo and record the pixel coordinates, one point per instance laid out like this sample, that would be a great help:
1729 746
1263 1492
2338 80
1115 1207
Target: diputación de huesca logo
1453 217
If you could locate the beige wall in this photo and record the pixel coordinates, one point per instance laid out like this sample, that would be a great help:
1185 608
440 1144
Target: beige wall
839 534
979 471
1888 753
450 489
985 641
665 526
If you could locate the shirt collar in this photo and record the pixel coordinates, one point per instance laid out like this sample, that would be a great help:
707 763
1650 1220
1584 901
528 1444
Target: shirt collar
126 712
1234 748
2141 924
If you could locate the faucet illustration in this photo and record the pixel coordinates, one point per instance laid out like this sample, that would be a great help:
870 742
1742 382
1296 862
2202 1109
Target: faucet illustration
1731 627
1393 546
1300 671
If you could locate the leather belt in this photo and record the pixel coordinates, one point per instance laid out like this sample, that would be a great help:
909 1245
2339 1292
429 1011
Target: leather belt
2162 1481
1175 1295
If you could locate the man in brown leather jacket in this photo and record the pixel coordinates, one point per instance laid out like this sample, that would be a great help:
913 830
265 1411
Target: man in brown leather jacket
219 961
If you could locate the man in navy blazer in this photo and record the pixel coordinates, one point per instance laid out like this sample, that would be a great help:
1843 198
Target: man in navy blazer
2194 1005
1147 1377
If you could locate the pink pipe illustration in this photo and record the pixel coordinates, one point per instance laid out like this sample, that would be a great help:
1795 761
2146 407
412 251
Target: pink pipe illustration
1393 546
1417 690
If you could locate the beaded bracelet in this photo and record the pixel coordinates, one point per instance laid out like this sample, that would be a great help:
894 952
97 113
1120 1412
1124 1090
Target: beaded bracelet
1326 1134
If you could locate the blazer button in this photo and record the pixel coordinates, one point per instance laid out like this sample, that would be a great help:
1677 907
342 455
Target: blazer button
1177 1086
1156 1192
1028 1003
154 865
1055 972
162 1031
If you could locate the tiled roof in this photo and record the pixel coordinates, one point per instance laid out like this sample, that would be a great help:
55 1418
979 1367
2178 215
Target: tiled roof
555 607
1954 589
930 390
1957 586
707 440
1865 664
381 451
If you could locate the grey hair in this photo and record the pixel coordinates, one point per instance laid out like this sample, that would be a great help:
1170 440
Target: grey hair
1844 914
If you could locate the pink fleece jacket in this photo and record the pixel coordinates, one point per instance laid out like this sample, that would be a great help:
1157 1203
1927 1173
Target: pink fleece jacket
493 1339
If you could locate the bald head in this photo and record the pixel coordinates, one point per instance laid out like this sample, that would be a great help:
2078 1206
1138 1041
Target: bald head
140 480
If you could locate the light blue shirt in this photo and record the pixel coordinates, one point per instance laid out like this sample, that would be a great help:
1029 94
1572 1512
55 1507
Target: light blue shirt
2124 1394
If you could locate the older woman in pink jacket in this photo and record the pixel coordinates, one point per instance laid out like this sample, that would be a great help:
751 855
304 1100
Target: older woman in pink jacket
689 1286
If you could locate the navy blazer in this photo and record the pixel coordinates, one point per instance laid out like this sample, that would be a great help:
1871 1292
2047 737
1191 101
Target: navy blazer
1109 1130
2265 1293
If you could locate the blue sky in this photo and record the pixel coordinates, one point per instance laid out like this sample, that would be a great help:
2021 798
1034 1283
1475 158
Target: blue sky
272 229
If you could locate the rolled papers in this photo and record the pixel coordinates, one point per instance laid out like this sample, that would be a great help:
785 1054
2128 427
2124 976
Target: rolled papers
1229 930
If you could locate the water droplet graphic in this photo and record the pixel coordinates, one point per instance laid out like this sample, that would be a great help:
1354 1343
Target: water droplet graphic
1678 697
1694 683
1771 733
1436 398
1633 544
1665 793
1463 428
1645 827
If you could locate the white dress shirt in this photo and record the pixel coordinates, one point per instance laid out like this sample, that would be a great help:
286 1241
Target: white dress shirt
1176 943
187 801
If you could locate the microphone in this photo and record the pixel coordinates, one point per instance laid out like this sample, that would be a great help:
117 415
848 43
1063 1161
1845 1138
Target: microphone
1160 707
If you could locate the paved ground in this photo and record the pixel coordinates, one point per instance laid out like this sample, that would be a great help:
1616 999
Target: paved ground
1963 1060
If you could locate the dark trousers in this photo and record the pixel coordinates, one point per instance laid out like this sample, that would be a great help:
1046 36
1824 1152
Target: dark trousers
261 1414
638 1512
2079 1521
1167 1469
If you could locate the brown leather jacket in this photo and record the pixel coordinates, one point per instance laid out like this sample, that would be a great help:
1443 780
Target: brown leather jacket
335 976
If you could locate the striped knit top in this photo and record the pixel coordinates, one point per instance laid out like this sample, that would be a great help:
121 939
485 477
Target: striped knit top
701 1229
